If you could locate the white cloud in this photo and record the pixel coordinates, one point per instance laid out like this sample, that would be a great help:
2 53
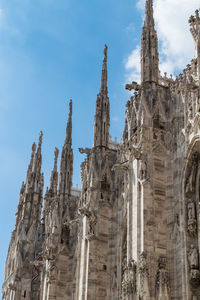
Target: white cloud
140 4
176 44
132 65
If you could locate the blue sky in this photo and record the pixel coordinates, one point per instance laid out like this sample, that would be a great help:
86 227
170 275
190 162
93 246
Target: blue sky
50 52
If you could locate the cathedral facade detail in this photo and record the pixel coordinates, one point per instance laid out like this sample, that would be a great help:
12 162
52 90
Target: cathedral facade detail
133 231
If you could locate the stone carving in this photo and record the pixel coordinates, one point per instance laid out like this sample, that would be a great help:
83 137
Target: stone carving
143 288
92 220
193 257
84 150
191 216
162 281
195 278
133 86
142 170
128 278
189 187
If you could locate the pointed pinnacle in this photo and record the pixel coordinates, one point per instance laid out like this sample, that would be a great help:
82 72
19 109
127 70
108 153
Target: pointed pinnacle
70 107
104 89
149 19
40 139
68 139
105 53
56 153
33 147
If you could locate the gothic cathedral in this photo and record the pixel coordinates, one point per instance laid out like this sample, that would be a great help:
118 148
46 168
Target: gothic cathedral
133 231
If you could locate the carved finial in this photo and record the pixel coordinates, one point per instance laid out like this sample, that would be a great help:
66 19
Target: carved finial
34 147
41 135
56 153
105 53
68 139
40 139
197 14
70 107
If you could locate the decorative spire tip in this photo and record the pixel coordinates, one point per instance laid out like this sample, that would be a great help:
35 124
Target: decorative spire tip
105 53
70 107
40 138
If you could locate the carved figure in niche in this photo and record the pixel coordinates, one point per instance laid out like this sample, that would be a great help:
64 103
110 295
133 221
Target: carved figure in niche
91 224
142 170
128 278
143 262
195 278
143 287
132 276
162 279
190 180
192 223
193 257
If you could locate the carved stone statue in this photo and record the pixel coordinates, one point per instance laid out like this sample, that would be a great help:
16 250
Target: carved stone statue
143 288
92 220
193 257
128 278
162 280
192 223
142 170
195 278
190 180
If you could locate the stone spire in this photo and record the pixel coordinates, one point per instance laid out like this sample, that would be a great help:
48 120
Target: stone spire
102 114
149 47
195 31
51 192
125 133
104 74
68 139
66 164
54 175
149 20
33 186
